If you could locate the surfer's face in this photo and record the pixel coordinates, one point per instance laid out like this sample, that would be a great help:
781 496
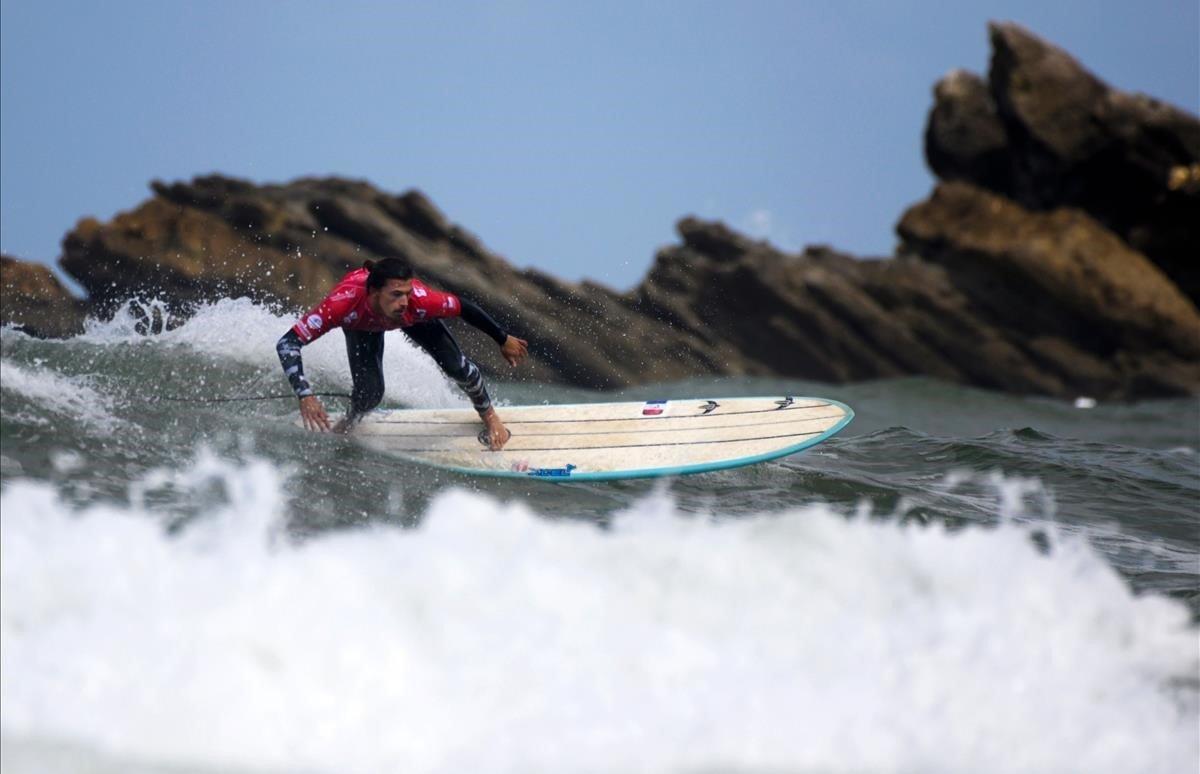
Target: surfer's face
391 300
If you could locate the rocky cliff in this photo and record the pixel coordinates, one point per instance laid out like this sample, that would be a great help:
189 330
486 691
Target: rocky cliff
1057 256
1046 134
33 300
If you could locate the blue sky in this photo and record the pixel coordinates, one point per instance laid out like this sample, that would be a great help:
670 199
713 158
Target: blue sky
567 136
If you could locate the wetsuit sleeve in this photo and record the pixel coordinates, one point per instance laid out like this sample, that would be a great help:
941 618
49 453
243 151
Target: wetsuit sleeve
472 313
288 349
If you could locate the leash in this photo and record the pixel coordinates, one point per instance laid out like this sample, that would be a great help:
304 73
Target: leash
248 397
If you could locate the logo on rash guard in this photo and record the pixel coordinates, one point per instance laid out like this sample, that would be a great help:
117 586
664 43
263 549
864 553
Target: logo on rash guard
351 317
448 303
419 292
315 322
343 295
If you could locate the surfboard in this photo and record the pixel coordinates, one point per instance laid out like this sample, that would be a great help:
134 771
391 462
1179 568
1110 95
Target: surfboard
606 441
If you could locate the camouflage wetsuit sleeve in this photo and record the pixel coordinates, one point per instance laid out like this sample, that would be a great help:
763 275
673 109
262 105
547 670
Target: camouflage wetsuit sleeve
288 349
328 314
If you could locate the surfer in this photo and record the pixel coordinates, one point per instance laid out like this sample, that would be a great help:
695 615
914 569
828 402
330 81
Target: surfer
383 296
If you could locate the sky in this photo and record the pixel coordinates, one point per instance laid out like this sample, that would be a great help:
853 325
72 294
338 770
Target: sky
568 136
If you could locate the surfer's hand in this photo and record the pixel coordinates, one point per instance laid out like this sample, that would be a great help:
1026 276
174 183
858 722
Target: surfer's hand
498 434
514 350
313 413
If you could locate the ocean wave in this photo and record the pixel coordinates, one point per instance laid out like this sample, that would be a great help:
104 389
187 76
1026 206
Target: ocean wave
64 396
240 332
492 639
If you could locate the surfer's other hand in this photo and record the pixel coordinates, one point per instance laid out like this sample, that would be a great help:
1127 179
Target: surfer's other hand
313 413
514 350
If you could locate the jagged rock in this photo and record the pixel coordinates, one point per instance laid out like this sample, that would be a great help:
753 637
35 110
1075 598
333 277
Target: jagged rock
1047 133
217 237
826 316
964 137
1061 287
34 301
717 303
1185 178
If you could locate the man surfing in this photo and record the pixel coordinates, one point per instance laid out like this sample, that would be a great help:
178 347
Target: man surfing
383 296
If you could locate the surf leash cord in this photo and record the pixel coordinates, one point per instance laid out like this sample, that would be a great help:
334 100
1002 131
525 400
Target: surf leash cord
231 399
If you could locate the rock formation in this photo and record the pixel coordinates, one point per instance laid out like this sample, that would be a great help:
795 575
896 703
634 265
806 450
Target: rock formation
33 300
1045 133
1080 303
1057 257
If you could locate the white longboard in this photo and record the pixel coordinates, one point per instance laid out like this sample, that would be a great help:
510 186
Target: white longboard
599 441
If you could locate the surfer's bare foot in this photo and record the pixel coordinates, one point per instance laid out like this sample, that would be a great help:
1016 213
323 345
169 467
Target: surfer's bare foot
498 434
346 423
496 444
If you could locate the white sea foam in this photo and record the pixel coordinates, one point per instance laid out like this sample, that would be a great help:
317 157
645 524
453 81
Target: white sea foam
242 331
492 640
68 396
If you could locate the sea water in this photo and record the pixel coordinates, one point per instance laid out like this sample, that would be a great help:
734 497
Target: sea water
960 581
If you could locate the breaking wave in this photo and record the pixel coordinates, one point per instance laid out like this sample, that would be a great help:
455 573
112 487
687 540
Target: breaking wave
492 639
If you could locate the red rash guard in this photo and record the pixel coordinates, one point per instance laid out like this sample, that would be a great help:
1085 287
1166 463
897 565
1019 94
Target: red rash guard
346 307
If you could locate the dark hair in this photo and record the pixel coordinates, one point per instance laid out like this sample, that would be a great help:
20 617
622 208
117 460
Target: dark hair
387 269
